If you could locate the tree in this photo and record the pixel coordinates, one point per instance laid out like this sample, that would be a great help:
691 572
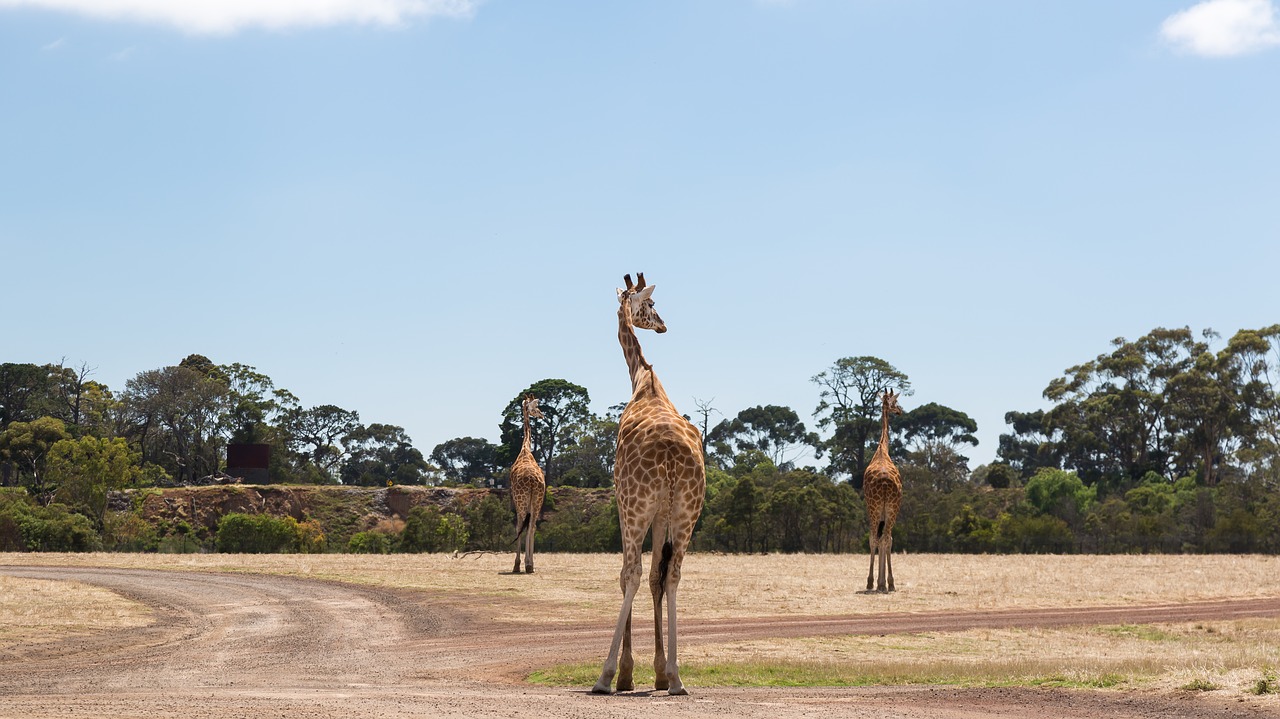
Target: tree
564 406
467 459
27 392
176 416
705 409
932 434
382 454
773 430
1029 446
27 444
849 406
84 470
587 454
315 438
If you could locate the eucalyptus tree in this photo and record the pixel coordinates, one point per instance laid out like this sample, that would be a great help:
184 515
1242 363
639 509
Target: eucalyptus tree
775 431
564 405
849 407
467 459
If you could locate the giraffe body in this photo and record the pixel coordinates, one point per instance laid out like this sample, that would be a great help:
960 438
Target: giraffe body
659 483
528 488
882 491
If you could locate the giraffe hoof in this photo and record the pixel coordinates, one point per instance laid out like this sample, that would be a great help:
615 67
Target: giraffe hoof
678 691
601 689
528 570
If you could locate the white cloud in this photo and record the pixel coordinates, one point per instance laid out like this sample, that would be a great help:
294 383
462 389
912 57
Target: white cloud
122 55
55 44
1221 28
228 16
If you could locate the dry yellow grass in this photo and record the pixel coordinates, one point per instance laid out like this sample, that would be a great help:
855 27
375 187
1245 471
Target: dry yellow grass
36 610
720 586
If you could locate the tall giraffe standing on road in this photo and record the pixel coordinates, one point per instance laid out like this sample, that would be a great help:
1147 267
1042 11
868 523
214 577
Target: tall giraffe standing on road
528 487
882 491
659 480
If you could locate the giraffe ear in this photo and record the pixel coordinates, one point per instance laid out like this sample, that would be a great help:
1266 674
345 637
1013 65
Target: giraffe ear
644 294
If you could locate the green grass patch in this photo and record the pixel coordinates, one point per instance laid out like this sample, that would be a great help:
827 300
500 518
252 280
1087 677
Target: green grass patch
1266 684
1144 632
819 674
1199 685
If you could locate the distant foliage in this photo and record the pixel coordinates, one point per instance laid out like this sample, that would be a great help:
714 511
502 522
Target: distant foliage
26 526
264 534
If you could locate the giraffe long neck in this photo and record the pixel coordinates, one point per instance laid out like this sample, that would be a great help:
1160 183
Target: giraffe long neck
526 447
636 363
883 449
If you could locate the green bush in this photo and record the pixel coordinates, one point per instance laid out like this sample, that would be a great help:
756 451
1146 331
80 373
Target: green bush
258 534
490 524
428 530
27 527
369 543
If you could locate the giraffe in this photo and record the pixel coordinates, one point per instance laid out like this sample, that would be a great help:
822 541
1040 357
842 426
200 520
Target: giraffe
882 491
659 480
527 488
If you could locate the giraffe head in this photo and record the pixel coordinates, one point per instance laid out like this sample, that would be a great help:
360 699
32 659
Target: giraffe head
890 400
639 300
530 407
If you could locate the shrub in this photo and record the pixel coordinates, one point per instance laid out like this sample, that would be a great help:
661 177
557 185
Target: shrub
490 524
128 532
369 543
257 534
428 530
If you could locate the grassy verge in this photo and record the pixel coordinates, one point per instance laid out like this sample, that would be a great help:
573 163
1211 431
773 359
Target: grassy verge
1201 656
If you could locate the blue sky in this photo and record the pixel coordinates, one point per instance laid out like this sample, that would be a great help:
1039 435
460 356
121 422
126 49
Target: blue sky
416 208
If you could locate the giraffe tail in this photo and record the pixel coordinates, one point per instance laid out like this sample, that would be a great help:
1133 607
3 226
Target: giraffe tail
664 565
521 528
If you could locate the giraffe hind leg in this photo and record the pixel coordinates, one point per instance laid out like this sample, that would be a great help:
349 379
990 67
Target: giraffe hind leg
874 543
522 525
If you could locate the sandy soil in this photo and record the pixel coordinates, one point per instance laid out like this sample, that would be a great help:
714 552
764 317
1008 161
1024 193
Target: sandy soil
245 645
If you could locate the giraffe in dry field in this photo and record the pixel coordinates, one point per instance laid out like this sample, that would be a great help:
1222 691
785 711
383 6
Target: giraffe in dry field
659 480
882 491
528 487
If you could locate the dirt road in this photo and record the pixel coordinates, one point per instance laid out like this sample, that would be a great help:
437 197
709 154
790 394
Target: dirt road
240 645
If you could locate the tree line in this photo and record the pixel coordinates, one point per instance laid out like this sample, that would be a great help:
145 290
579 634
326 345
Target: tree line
1164 443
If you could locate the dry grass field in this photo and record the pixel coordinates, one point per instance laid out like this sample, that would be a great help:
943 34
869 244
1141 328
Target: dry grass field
1229 655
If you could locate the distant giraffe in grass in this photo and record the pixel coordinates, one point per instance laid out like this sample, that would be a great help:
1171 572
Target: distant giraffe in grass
528 487
882 491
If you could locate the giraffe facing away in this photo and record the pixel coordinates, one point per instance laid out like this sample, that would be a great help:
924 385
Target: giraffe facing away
882 491
528 487
659 480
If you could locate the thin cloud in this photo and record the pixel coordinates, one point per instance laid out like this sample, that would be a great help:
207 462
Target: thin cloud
55 44
220 17
122 55
1223 28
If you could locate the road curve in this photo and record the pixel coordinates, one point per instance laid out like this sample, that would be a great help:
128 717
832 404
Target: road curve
231 645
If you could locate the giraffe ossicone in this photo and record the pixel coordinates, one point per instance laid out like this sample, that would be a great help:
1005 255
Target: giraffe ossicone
659 480
528 487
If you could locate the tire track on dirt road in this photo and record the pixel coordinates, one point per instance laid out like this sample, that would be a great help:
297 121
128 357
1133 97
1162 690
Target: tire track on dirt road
230 645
